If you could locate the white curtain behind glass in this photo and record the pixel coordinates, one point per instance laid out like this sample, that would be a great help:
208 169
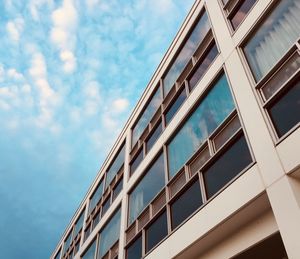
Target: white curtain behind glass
275 37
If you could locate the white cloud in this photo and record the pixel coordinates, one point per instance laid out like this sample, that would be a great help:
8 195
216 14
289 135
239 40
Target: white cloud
63 33
120 105
69 61
2 73
34 6
4 105
14 28
14 74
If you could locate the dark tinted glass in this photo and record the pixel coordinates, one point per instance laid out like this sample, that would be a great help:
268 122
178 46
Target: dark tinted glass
105 206
156 232
203 66
147 188
57 255
136 162
118 189
155 135
230 164
285 113
272 247
96 196
175 106
96 220
186 204
79 224
241 12
135 250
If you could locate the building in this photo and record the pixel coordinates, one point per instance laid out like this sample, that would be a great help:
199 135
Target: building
208 164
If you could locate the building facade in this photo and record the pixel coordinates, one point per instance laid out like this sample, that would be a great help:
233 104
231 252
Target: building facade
208 164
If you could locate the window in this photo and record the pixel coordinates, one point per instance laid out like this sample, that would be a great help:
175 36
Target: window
134 251
285 111
136 161
274 38
105 206
110 234
90 253
67 242
189 47
96 196
211 112
117 189
79 224
147 188
156 231
175 106
240 11
202 66
147 115
227 166
186 204
154 136
116 166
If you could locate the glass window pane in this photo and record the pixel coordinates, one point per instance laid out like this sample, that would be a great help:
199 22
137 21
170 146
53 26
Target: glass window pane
285 113
79 224
118 188
147 188
175 106
67 242
115 167
203 66
182 208
215 107
90 253
274 37
155 135
226 167
241 12
147 115
134 251
136 162
110 234
96 196
105 206
186 52
156 231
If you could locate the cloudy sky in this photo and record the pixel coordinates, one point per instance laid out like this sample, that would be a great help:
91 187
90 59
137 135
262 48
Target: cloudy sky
70 74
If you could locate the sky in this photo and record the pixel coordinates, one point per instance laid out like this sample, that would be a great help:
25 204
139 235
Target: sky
71 72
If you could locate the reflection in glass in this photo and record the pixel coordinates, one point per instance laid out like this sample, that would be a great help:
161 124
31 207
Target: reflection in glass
156 231
154 136
136 162
230 164
274 37
134 251
203 66
79 224
96 196
115 167
148 187
90 253
182 208
186 52
110 234
215 107
147 115
285 112
117 189
175 106
105 206
241 12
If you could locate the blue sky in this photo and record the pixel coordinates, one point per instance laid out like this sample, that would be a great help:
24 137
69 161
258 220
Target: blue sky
70 74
